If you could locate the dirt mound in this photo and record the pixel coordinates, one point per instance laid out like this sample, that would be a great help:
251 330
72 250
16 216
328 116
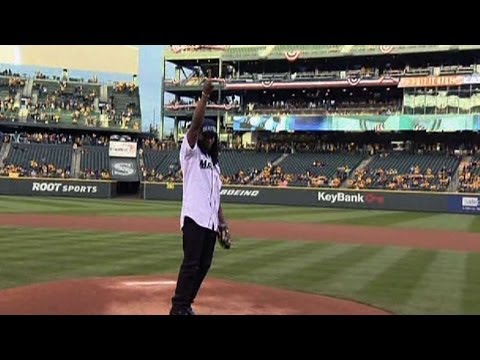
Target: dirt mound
150 295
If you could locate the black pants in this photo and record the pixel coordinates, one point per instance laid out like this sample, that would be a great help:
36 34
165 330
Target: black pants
198 248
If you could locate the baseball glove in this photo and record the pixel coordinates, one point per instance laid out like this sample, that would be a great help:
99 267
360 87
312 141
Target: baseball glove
223 236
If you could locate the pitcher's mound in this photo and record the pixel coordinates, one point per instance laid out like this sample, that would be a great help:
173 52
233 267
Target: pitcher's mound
150 295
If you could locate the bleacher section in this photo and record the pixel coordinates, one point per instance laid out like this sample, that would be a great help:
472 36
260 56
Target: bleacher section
38 160
94 158
45 88
469 175
232 162
476 171
7 92
403 162
59 156
328 163
121 100
308 169
73 103
4 89
400 171
163 162
385 170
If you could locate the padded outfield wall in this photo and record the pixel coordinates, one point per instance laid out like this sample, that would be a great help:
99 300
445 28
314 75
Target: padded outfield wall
57 187
313 197
328 198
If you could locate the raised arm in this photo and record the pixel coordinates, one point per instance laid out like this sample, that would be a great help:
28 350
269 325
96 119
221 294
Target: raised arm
199 114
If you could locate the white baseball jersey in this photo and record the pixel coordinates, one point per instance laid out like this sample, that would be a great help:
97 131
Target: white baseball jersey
201 187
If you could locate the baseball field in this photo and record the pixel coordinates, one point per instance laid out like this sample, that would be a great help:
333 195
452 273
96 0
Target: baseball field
122 256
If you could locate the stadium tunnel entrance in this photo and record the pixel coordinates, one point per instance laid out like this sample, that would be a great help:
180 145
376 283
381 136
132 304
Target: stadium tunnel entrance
128 189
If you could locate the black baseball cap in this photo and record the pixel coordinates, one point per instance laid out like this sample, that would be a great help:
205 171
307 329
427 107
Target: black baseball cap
209 126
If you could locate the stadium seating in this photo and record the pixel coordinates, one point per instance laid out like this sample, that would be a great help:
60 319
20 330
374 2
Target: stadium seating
234 161
231 162
58 155
403 162
123 99
476 171
407 172
94 158
163 162
301 163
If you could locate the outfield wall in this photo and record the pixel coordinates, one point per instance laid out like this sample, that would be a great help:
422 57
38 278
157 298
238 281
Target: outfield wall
58 187
326 198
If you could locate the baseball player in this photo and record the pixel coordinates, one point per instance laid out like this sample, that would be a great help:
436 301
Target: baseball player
201 219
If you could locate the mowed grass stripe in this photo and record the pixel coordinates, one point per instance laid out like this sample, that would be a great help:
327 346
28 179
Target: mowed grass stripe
440 289
314 275
395 285
104 245
267 212
243 248
439 222
385 219
43 241
120 264
307 256
37 243
266 262
471 290
475 224
9 233
245 261
351 279
67 201
68 261
57 203
83 251
24 236
80 206
147 264
317 216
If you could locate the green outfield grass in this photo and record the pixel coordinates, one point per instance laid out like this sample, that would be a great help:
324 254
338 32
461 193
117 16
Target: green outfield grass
401 280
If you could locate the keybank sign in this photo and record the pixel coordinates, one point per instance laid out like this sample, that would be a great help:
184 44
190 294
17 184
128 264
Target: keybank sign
340 197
